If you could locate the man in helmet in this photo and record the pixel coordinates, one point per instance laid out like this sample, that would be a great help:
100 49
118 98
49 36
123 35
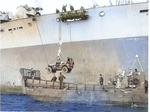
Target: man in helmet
101 80
57 11
61 78
71 7
54 78
64 8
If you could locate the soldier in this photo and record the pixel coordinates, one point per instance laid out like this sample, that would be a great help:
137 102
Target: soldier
57 11
71 7
32 74
146 86
82 8
101 80
61 77
54 78
64 8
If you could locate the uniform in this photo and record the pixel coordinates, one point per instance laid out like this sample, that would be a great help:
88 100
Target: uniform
61 77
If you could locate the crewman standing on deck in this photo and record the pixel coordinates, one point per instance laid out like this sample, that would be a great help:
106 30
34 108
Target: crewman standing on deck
61 77
101 80
54 78
64 8
32 72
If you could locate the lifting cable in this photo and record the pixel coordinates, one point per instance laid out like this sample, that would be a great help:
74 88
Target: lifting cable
8 66
43 50
59 45
59 41
43 44
136 58
70 39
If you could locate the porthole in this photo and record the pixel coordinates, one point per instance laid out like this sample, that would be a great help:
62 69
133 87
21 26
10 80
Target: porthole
102 13
29 24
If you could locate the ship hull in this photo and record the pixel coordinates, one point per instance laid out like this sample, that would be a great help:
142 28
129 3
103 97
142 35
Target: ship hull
98 45
91 59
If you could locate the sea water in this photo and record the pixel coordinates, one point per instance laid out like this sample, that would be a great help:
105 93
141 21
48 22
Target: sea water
20 102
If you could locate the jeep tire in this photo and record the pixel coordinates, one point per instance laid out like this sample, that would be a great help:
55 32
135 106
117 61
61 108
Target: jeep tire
64 69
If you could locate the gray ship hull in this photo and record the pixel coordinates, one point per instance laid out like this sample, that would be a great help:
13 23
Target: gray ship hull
98 45
91 59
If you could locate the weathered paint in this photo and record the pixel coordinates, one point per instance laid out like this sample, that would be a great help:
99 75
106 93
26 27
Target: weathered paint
98 45
86 96
91 58
118 22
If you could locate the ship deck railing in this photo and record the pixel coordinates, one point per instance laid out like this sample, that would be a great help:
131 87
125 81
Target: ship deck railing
36 83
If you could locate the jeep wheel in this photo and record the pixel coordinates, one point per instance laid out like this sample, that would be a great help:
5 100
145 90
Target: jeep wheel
64 69
49 70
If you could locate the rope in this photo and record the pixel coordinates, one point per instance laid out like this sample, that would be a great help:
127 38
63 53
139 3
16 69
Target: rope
53 60
9 66
136 58
140 63
43 46
62 58
53 30
59 44
133 64
70 39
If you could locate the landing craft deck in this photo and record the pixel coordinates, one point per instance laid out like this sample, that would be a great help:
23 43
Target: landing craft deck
100 44
46 90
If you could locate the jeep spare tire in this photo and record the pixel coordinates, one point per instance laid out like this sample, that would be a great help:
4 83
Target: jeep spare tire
49 70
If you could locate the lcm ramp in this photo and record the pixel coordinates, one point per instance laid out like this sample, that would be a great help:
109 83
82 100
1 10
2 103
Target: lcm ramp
32 79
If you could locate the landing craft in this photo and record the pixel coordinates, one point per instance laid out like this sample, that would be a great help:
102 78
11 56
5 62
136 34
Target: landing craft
46 90
101 44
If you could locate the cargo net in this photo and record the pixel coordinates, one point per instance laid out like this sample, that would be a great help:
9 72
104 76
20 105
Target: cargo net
29 73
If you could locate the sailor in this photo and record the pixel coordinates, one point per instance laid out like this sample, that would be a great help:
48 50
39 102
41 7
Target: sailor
54 78
146 86
61 77
32 74
82 8
64 8
101 80
71 7
136 72
57 11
